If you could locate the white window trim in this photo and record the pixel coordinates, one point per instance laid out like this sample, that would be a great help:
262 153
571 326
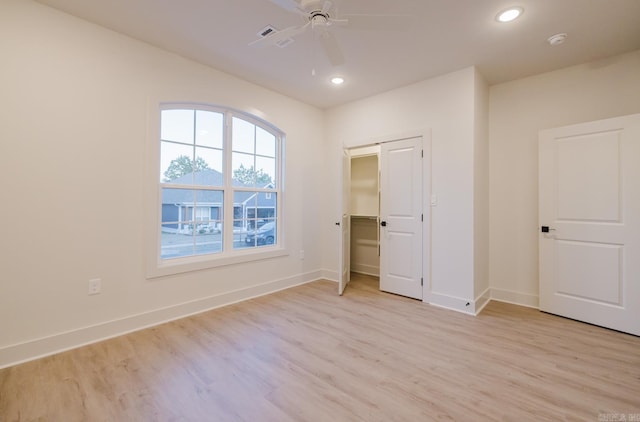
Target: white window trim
157 267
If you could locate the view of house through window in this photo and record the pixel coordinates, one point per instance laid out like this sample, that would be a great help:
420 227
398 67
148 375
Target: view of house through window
219 183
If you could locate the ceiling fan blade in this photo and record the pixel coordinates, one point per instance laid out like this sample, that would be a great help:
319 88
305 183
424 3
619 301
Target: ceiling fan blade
276 37
379 22
331 47
326 6
338 22
290 5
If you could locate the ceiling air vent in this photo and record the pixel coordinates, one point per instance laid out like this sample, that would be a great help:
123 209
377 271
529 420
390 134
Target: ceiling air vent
268 30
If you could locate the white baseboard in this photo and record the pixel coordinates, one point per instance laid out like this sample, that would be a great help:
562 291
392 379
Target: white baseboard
481 301
365 269
37 348
517 298
330 275
471 307
45 346
451 302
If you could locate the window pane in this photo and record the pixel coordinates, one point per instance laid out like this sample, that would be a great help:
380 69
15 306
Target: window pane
176 204
179 205
212 201
243 169
176 240
177 126
266 171
209 128
208 222
242 201
265 143
189 238
263 234
243 136
208 216
191 222
209 167
266 205
176 163
254 212
207 243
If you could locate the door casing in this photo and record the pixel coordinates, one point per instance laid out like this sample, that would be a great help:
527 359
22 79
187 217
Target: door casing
426 203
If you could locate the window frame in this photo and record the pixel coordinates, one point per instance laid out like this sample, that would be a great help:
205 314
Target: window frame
156 265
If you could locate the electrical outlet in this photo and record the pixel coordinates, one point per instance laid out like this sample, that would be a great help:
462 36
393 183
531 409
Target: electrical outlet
95 286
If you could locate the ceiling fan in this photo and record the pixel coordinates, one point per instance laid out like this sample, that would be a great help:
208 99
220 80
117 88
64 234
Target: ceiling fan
320 17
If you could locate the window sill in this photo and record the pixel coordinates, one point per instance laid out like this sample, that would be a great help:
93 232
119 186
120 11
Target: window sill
203 262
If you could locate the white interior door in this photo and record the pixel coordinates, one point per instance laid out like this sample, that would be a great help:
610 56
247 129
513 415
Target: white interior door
589 199
345 228
401 217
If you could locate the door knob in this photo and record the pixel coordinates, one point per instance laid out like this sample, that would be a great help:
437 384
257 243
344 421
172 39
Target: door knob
383 223
546 229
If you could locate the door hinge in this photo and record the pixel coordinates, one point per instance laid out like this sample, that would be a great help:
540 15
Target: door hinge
421 281
421 153
421 217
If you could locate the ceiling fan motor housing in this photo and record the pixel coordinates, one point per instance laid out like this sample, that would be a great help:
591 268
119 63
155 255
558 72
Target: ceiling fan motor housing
319 19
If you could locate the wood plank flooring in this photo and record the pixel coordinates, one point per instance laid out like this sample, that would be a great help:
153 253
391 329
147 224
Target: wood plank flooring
306 354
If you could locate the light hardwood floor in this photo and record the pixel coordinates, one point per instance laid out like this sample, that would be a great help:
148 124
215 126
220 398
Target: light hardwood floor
306 354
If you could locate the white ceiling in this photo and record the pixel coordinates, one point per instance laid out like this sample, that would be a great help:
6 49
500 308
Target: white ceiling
444 35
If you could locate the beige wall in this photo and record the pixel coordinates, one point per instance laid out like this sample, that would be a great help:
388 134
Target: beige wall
518 110
481 191
74 114
443 107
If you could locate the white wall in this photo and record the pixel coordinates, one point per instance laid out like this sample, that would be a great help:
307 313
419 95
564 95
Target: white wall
518 111
481 191
445 106
74 115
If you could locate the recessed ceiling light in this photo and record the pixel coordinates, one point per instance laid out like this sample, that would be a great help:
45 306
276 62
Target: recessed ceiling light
337 80
509 14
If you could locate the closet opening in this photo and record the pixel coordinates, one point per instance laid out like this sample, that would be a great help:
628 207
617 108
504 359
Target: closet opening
383 219
365 211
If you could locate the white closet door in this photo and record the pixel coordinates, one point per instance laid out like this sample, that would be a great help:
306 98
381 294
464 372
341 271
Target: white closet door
345 229
401 217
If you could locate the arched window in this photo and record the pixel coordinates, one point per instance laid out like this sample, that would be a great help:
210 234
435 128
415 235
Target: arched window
219 185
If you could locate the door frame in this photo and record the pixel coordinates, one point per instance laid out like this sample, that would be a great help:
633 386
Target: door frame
425 134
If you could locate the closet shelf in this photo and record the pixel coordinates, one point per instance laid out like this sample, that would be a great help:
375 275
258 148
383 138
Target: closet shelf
367 217
366 242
